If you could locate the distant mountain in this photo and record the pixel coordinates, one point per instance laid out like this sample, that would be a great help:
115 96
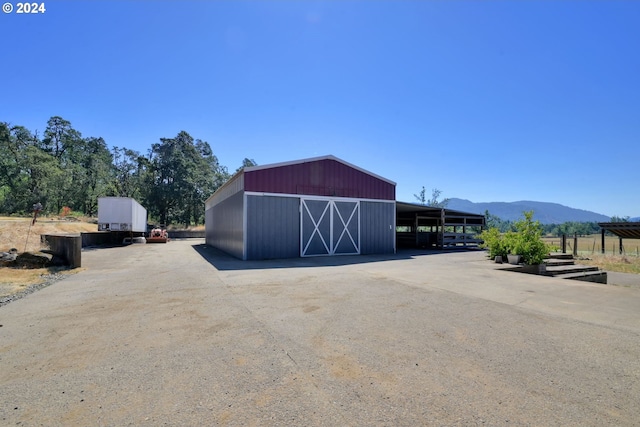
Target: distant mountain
636 219
546 213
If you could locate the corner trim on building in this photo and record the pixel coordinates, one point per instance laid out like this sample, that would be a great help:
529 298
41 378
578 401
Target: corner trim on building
308 197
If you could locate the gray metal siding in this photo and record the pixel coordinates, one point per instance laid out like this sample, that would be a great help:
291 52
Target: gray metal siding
377 228
273 227
228 189
224 225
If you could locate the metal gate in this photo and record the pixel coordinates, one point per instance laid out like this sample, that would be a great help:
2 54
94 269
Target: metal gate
329 227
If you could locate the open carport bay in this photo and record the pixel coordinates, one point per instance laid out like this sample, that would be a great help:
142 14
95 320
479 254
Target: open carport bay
181 334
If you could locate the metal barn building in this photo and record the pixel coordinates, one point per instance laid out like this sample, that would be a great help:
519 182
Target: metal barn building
309 207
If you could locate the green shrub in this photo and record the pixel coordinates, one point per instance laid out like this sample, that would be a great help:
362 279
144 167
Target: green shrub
526 241
494 243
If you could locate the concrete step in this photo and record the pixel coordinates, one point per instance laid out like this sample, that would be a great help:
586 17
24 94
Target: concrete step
564 269
557 255
559 262
569 269
586 276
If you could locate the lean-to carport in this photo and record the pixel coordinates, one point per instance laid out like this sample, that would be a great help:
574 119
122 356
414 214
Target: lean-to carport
425 226
626 230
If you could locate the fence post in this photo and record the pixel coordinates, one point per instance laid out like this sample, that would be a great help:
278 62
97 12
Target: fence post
564 243
602 233
575 244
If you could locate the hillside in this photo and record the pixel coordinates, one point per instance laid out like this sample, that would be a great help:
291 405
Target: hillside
17 232
546 213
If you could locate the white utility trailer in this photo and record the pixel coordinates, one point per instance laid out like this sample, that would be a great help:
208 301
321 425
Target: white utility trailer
121 214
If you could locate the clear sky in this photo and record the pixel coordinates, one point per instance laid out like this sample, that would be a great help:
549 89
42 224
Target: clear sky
486 101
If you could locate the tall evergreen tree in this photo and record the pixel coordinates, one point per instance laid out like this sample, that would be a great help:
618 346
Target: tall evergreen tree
129 173
184 172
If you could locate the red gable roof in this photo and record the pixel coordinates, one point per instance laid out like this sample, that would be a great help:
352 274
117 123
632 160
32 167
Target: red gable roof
320 176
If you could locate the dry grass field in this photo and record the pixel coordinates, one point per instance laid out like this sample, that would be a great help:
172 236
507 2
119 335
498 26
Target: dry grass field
14 280
619 263
588 245
590 252
17 233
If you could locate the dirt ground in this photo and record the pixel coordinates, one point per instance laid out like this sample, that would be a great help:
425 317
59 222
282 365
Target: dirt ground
19 233
180 334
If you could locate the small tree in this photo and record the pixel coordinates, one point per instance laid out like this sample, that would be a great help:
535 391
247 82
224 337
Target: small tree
528 240
421 196
433 201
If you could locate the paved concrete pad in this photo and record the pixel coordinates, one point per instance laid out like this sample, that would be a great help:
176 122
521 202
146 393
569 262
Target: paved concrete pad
624 279
180 334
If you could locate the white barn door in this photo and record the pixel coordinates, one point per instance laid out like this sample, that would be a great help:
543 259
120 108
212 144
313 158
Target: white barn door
346 227
329 227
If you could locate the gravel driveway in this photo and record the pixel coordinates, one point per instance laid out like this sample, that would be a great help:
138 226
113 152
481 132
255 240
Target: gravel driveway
180 334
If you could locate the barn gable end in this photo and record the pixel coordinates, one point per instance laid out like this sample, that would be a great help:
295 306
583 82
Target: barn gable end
322 176
306 207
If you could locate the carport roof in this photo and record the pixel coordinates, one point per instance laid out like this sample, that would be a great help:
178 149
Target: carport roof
413 208
628 230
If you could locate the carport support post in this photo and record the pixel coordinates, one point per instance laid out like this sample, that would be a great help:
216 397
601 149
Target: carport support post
464 232
602 234
442 229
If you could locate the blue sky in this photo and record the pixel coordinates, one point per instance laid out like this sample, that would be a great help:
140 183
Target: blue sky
487 101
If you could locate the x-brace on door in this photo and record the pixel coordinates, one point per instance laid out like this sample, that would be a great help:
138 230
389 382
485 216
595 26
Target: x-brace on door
329 227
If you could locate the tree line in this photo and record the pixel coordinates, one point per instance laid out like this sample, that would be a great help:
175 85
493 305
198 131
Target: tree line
63 169
568 228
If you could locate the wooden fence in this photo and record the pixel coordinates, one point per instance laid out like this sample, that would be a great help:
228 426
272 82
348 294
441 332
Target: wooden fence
592 244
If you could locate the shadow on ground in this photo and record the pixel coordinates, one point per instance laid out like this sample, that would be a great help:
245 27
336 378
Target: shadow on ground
223 261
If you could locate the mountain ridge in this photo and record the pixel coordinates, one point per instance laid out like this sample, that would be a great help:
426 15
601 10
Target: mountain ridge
545 212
